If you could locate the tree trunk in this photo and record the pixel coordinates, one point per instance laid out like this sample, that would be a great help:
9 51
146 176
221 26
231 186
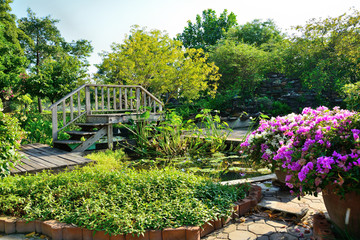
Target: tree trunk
37 71
39 105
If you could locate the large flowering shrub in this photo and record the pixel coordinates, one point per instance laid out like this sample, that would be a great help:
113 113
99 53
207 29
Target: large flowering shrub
316 148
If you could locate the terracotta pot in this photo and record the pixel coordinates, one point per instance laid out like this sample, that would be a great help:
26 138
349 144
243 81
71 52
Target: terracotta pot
337 209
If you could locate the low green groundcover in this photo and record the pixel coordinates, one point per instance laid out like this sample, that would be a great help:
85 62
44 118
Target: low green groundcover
119 202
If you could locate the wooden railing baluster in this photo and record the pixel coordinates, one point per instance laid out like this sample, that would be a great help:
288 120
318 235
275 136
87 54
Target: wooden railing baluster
108 98
131 99
138 95
64 112
87 100
102 98
79 103
54 118
71 108
114 97
126 99
96 99
120 98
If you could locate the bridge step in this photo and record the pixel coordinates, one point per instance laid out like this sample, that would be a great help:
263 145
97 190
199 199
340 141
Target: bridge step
77 135
89 127
67 145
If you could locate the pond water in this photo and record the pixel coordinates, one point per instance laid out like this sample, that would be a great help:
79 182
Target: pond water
219 166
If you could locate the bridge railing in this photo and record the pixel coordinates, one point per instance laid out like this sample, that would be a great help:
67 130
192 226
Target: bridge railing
94 99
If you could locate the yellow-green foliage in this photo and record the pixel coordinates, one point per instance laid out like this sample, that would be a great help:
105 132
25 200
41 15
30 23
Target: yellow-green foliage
352 96
108 160
155 61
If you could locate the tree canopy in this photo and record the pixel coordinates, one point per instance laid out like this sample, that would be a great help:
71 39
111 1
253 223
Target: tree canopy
241 66
153 60
56 66
207 29
326 53
256 33
12 60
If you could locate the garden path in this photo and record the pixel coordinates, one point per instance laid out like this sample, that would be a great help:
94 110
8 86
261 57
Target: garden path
262 224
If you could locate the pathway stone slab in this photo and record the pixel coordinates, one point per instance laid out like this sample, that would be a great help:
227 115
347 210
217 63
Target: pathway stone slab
229 228
242 227
299 231
284 207
282 236
222 236
249 180
261 229
276 224
242 235
18 237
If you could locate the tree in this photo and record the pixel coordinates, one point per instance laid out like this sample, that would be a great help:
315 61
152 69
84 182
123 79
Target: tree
241 65
256 33
52 58
326 54
12 60
158 63
207 29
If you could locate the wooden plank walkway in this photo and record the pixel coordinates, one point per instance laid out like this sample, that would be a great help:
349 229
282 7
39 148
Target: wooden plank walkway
38 157
234 136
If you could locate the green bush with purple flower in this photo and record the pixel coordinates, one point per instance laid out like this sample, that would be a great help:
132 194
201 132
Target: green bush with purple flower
316 148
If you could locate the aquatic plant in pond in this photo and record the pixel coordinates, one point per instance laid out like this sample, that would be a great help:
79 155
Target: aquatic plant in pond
316 148
218 166
166 138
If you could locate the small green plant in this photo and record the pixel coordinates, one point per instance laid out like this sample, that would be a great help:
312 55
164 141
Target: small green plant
279 108
118 202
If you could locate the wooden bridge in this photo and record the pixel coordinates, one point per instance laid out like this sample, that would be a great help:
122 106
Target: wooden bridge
38 157
101 106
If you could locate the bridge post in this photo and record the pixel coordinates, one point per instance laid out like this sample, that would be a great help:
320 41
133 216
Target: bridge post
137 99
110 136
87 100
54 123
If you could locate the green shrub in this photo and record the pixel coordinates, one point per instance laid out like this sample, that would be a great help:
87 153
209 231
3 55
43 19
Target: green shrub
352 97
118 202
280 108
10 137
39 127
166 138
241 67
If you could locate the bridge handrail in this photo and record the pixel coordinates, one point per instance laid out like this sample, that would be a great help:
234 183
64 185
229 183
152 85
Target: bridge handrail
121 99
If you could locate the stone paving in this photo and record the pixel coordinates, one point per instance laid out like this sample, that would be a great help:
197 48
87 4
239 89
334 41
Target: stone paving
263 224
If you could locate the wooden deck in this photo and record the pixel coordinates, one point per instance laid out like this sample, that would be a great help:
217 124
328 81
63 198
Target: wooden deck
40 157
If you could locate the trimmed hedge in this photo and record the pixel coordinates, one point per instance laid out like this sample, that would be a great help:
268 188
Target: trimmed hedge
118 202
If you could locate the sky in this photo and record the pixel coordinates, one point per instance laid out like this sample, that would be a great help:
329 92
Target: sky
106 21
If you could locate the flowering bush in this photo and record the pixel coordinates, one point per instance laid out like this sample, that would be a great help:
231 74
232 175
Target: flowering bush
316 148
7 94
